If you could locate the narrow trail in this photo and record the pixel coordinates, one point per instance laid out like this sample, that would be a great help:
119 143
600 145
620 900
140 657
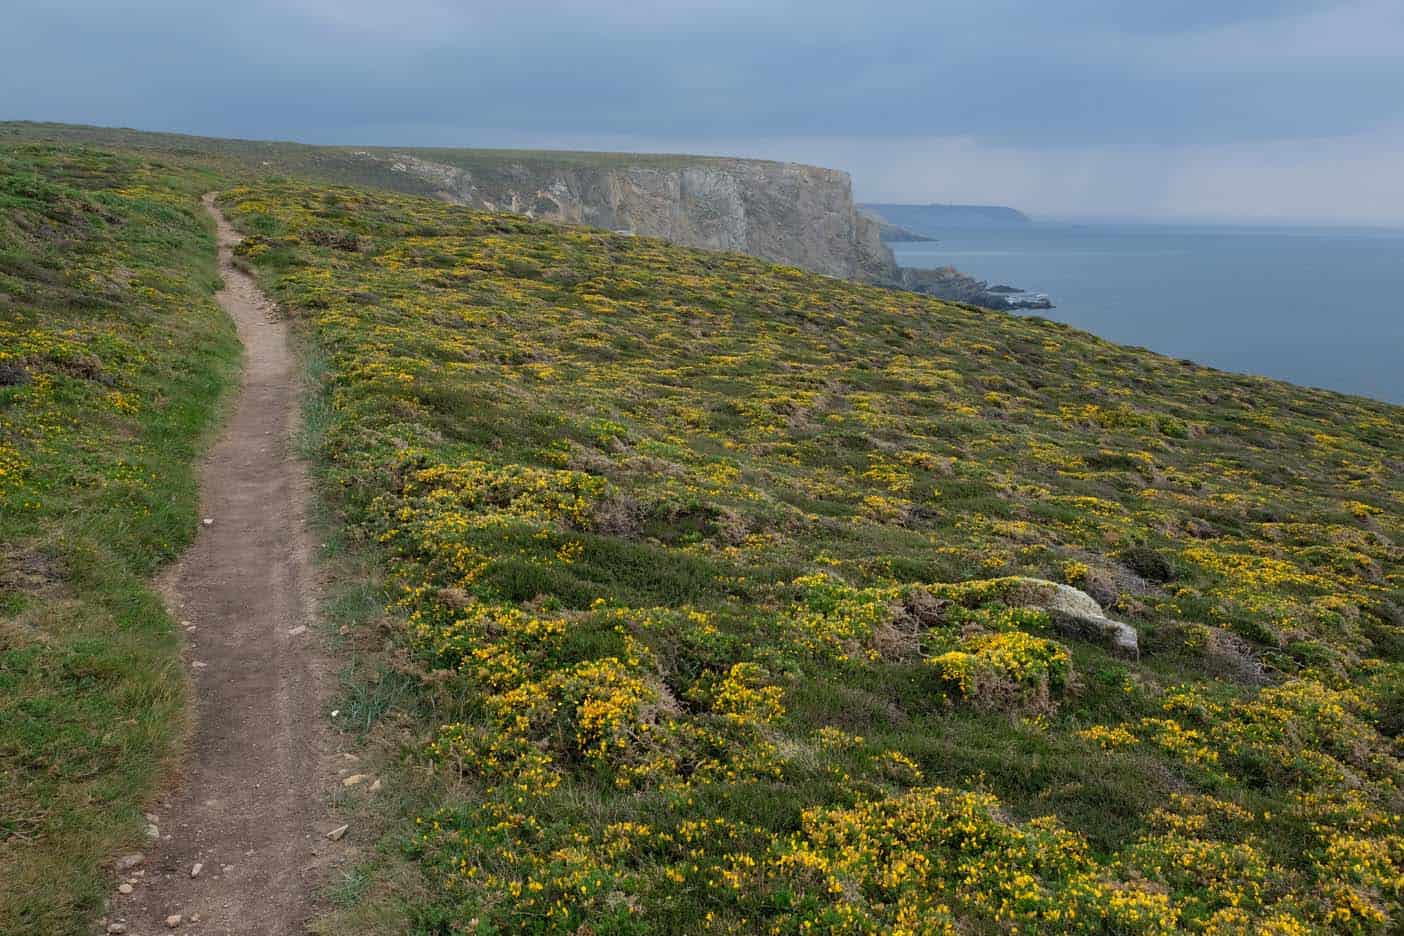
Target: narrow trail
251 807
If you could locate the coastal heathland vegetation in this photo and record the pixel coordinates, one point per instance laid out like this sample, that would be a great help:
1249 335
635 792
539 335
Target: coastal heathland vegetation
704 592
698 596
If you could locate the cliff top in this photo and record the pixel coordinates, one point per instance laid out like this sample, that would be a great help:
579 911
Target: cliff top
347 163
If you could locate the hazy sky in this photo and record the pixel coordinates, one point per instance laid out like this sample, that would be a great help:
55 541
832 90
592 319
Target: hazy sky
1196 108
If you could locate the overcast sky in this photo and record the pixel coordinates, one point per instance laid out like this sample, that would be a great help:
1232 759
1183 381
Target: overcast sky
1196 108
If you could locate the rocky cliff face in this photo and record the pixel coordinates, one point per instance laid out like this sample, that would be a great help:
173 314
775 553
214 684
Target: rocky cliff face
783 212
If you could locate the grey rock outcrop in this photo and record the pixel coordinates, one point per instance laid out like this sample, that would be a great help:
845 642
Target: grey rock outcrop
1077 614
783 212
953 285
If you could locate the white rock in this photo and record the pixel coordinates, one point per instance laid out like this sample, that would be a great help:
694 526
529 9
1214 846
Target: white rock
116 928
208 521
354 779
173 920
297 631
1074 601
195 869
124 888
336 834
153 831
1085 615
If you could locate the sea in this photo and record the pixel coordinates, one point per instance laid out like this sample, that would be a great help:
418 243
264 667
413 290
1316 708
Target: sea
1321 307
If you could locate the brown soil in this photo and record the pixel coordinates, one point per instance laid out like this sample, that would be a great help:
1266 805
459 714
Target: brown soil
252 806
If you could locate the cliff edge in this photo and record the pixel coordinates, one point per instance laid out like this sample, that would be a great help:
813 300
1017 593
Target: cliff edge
788 213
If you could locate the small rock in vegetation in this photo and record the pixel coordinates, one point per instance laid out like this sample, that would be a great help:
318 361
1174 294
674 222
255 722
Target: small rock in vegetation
128 862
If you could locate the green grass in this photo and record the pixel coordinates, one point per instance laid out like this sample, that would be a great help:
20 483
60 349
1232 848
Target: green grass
648 519
117 360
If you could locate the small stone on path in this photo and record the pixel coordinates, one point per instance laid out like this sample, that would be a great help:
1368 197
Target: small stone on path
116 928
196 869
124 888
336 834
173 920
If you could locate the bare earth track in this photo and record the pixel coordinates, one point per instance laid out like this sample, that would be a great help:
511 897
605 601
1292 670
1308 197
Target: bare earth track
251 808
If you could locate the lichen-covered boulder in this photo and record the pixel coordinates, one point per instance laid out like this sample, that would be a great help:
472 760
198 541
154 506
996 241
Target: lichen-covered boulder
1077 614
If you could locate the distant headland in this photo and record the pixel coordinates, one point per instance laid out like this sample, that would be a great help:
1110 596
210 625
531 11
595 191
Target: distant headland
931 220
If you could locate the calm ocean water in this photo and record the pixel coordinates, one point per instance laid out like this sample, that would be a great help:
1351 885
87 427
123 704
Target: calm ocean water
1320 307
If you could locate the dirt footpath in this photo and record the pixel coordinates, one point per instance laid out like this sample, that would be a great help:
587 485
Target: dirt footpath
241 845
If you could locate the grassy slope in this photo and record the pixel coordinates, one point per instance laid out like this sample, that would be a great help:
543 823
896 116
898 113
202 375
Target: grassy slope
113 360
671 535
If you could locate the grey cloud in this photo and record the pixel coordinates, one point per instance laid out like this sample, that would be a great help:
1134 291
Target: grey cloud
1006 75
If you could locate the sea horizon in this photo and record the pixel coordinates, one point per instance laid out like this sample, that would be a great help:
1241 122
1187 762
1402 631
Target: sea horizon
1221 223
